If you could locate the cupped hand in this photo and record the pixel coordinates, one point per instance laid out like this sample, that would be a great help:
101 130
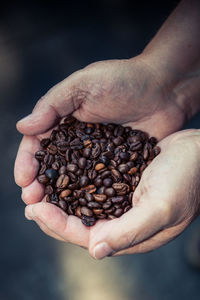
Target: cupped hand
128 92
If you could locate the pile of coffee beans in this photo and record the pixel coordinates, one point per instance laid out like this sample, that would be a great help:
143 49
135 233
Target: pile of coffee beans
92 170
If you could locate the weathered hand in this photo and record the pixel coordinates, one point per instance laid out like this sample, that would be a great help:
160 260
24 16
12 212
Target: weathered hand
125 91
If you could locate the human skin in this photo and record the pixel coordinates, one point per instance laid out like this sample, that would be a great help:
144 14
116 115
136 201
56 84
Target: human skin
157 92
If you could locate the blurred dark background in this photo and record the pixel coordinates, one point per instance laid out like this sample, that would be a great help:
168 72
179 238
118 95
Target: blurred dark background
41 43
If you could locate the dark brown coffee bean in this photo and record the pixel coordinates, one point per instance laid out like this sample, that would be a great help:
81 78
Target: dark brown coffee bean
86 211
72 168
72 177
100 197
135 146
107 182
110 210
51 173
44 143
101 216
118 212
82 201
88 221
84 181
52 149
43 179
78 212
98 182
116 176
118 140
101 190
78 194
105 174
89 188
74 186
39 155
123 168
107 204
82 162
62 181
94 204
43 169
75 204
79 172
156 150
97 211
127 208
132 171
105 160
48 190
96 150
65 193
62 205
117 199
121 188
110 192
87 152
89 197
124 156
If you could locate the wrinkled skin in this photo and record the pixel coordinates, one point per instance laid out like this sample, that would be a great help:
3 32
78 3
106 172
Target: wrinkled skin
127 92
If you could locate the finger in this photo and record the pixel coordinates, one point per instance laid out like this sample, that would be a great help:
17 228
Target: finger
69 228
137 225
46 230
59 101
26 166
32 193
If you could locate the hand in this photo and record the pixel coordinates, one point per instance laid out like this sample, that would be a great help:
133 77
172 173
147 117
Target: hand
164 204
127 92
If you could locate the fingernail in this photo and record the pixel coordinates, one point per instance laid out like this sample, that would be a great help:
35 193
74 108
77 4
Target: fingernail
102 250
25 118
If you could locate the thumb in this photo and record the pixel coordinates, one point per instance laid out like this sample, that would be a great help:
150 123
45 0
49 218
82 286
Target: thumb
61 100
137 225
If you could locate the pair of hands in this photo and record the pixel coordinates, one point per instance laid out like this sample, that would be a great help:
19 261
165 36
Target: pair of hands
132 93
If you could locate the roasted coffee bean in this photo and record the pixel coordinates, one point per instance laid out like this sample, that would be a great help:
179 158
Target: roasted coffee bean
62 181
118 212
117 199
51 174
116 176
82 201
94 204
121 188
84 181
48 190
118 140
86 211
110 192
99 166
107 182
65 193
123 168
52 149
42 169
107 204
39 155
78 212
101 190
62 205
105 160
91 188
105 174
92 170
72 168
124 156
82 162
98 182
88 221
89 197
97 211
100 197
